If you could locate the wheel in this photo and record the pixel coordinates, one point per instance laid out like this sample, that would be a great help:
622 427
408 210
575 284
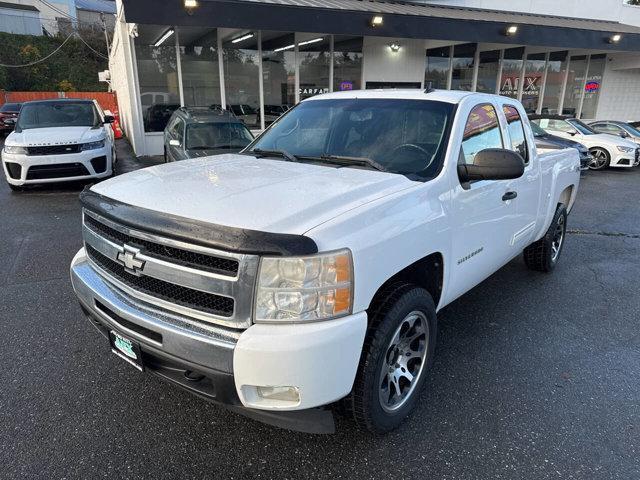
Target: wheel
397 353
166 159
543 255
601 158
16 188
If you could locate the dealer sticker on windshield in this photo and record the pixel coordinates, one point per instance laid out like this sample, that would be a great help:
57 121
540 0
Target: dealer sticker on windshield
126 349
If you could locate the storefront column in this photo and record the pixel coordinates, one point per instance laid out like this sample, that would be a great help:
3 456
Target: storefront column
499 77
476 66
584 87
261 81
331 66
179 67
450 73
522 72
543 87
564 83
223 95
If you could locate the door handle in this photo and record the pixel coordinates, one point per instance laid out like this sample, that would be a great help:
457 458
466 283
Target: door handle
509 196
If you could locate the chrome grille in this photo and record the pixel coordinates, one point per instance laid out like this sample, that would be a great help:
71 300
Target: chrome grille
198 282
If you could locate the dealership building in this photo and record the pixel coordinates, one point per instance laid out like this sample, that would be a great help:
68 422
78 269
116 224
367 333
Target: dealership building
260 57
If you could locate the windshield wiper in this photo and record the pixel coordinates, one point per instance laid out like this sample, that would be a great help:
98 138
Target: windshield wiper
362 161
259 153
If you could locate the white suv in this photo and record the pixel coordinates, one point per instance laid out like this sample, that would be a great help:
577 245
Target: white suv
59 140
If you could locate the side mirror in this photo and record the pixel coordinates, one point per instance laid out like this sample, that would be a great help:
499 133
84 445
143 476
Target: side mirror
624 135
573 133
492 164
108 119
174 143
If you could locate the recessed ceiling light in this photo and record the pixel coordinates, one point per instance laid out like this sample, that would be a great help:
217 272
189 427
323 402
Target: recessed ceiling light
190 3
615 38
243 38
512 30
377 21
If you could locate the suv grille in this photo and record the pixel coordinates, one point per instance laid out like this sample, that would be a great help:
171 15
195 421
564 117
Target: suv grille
54 149
60 170
185 297
200 283
223 266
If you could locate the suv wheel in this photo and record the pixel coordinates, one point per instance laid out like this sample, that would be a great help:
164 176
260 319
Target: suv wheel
396 356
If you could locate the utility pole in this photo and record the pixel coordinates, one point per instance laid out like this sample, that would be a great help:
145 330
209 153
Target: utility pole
104 28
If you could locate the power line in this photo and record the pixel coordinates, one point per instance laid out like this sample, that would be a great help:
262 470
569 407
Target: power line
91 48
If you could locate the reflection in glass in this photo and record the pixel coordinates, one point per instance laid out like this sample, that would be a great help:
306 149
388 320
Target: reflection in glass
158 79
278 71
533 78
575 84
200 72
315 59
593 86
347 63
462 66
488 71
511 71
482 131
242 76
555 79
437 67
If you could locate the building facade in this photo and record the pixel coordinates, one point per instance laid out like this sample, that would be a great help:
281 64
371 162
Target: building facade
260 57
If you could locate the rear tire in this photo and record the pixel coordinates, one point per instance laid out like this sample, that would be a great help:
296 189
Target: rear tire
543 255
601 158
396 356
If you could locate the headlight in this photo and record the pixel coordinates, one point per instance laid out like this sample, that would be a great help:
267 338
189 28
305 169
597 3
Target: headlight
15 149
626 149
93 145
302 289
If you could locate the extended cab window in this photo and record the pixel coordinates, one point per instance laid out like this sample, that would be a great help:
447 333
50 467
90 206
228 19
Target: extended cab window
516 131
481 131
177 129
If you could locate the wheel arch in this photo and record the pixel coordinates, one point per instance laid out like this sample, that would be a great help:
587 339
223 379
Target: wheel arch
567 197
428 273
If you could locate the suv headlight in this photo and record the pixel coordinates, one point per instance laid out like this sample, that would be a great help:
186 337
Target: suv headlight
93 145
15 149
626 149
303 289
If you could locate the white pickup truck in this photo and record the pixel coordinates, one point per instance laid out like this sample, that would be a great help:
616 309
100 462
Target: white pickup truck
307 270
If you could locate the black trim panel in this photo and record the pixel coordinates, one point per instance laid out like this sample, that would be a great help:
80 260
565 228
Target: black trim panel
233 239
271 16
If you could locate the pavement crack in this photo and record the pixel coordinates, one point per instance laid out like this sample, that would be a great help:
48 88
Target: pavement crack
605 234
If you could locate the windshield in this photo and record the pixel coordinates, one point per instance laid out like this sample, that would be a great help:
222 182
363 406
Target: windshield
631 130
582 127
57 114
401 136
209 136
10 107
537 130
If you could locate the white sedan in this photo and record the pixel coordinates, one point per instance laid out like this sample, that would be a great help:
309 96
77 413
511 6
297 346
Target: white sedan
59 140
607 150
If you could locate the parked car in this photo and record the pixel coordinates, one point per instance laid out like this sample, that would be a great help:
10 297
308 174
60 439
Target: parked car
622 129
607 150
57 141
200 132
309 267
245 113
157 116
546 142
273 112
8 115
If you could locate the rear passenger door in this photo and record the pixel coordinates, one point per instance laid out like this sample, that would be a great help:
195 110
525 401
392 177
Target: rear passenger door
482 221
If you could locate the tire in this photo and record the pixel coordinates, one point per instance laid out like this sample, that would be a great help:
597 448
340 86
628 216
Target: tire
402 311
15 188
601 158
543 255
166 160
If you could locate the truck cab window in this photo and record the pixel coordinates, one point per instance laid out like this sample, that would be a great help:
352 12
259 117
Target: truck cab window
516 132
481 131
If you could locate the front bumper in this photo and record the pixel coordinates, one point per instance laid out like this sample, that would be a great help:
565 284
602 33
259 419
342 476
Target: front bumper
224 365
623 159
17 173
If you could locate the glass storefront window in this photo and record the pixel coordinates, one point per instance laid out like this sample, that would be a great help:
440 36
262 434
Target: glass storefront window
347 63
555 79
279 74
593 86
488 71
462 66
200 68
158 80
533 78
511 71
437 67
575 84
314 56
242 76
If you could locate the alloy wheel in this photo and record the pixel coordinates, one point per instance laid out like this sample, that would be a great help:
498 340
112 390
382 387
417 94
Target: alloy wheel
600 158
404 361
558 238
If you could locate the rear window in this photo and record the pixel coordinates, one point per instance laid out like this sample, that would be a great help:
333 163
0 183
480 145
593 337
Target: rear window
10 107
219 135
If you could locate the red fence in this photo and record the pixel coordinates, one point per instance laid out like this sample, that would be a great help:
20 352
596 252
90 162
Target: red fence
107 101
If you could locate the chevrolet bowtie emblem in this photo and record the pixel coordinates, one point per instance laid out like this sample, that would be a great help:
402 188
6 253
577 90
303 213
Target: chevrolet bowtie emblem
128 258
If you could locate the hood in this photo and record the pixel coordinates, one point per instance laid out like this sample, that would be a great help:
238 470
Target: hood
610 139
54 136
257 194
549 141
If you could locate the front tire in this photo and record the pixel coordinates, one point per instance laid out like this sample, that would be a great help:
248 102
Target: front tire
397 354
601 158
15 188
543 255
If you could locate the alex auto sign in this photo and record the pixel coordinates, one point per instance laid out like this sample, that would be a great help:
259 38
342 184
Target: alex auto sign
511 84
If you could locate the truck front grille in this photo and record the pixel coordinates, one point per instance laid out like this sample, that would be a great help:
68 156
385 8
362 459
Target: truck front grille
200 283
186 297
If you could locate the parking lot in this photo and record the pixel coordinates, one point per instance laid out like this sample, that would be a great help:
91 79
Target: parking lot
536 376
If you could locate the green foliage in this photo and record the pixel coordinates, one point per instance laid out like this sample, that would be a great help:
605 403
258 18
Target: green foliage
633 2
74 67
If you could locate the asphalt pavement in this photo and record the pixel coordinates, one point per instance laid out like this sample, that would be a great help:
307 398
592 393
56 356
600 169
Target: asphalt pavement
536 376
